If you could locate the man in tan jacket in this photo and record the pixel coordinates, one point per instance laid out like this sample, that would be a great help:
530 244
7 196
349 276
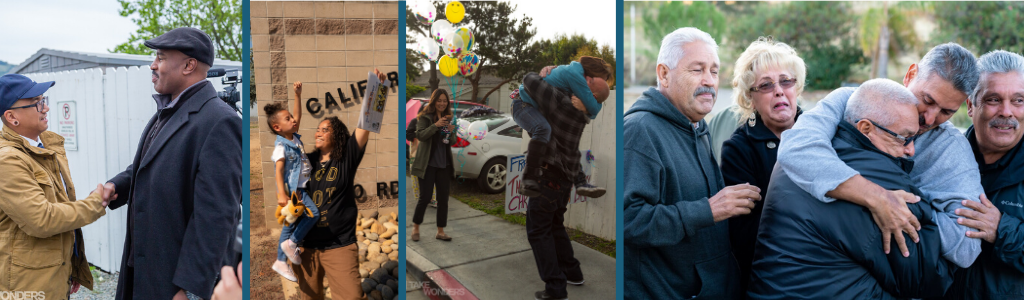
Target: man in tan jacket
41 247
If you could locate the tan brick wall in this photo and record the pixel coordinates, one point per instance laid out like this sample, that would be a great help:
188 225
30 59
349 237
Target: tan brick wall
327 45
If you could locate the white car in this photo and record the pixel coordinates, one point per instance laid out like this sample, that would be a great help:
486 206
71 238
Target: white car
485 159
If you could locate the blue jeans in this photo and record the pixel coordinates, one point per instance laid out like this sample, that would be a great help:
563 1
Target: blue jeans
531 120
297 231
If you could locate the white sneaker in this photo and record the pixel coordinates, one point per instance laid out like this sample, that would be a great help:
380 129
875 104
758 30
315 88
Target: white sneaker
291 251
282 269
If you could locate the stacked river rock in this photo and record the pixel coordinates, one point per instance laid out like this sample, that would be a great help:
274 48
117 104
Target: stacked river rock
378 255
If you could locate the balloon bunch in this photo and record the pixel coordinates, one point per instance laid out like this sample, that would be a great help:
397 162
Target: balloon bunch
458 61
457 43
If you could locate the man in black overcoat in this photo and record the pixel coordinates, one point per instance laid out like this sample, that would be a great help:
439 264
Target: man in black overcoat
185 182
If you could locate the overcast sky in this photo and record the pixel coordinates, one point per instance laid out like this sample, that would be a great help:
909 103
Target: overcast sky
552 17
95 26
74 25
595 19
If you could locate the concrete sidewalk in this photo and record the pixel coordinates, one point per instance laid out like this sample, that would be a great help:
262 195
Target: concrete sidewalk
488 258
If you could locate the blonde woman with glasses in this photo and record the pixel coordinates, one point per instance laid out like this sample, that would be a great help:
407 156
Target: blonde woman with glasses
768 79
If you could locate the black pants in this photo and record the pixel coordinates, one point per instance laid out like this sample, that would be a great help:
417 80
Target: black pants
552 248
440 178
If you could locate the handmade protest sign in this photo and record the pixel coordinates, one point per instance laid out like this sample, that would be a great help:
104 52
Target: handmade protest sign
516 202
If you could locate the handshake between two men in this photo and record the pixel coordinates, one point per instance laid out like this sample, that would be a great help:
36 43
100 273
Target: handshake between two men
106 192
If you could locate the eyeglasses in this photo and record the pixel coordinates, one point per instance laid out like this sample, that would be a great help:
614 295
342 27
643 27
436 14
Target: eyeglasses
43 102
906 140
769 86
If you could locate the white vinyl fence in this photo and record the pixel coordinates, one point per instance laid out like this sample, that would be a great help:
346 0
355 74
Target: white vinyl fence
111 108
596 216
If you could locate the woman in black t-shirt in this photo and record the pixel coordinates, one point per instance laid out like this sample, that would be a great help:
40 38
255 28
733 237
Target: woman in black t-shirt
330 249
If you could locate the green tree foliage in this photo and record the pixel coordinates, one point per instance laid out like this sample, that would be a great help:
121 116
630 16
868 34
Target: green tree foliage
411 89
567 48
5 67
220 19
413 69
663 19
560 50
829 65
821 32
413 64
981 26
605 52
416 31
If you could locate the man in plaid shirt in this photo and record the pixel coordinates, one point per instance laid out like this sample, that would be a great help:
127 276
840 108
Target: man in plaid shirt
545 214
568 119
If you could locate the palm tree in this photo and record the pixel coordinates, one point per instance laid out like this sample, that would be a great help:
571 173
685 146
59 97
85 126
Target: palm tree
887 31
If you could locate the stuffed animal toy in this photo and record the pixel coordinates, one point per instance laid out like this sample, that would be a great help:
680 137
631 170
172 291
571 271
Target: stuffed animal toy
292 210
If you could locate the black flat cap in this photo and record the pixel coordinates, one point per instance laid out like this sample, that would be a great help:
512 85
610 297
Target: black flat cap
193 42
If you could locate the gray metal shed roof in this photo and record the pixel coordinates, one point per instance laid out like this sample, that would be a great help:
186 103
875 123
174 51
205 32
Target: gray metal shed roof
50 60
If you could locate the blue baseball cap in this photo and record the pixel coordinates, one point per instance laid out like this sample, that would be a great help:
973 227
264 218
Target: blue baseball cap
16 86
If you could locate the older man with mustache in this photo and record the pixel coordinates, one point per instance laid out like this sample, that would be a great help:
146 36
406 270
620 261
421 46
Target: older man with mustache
997 109
676 204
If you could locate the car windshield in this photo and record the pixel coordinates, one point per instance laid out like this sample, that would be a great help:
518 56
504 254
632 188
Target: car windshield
492 121
461 107
512 131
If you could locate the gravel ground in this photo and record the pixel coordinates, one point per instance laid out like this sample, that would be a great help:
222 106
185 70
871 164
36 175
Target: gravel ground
104 287
264 283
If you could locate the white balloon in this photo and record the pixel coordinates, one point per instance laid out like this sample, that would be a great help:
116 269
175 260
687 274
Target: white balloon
428 49
424 11
453 44
440 30
463 131
478 130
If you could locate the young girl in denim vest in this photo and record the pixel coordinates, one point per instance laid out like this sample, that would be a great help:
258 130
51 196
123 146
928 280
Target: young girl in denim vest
292 175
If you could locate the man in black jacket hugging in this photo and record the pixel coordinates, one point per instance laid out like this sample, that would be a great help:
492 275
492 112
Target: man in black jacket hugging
808 249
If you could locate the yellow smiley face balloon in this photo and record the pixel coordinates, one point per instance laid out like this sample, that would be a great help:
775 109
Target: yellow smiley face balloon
454 11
